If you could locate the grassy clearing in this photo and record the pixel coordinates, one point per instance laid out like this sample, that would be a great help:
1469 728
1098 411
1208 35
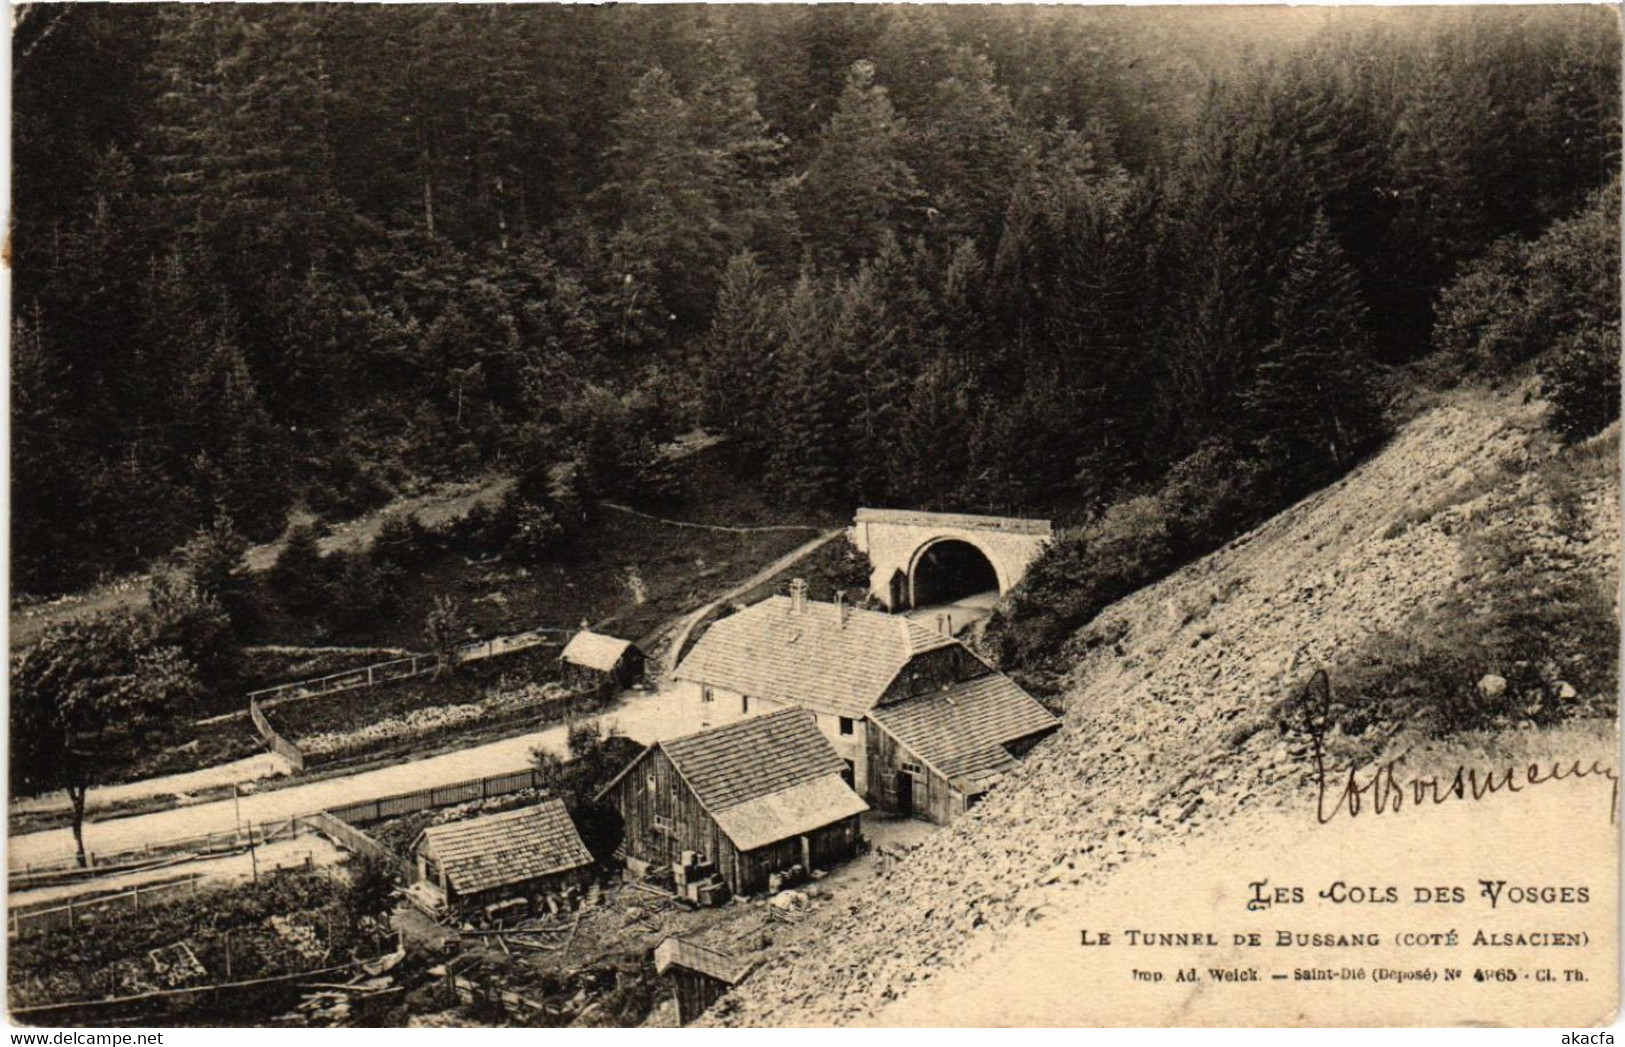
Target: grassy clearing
622 572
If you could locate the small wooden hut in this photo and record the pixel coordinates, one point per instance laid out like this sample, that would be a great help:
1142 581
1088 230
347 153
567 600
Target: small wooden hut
700 975
593 659
480 861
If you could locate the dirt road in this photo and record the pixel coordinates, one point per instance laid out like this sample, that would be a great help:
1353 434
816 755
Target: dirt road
686 624
645 718
434 507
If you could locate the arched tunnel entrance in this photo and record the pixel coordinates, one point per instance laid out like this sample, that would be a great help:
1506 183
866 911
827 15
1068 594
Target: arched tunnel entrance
949 571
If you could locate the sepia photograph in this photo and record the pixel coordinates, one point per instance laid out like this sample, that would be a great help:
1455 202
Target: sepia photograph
802 515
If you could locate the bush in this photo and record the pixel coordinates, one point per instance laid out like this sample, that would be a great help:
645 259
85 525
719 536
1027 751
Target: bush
212 556
299 576
370 892
1582 383
1554 300
1523 611
538 533
1205 500
402 542
362 592
595 757
187 617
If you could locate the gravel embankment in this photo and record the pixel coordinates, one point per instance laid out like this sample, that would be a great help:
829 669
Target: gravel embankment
1168 733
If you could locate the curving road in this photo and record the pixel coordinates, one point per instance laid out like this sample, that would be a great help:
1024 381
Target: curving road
686 624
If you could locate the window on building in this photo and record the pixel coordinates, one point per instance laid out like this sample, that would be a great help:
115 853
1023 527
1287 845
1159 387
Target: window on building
744 703
850 775
650 781
846 725
707 695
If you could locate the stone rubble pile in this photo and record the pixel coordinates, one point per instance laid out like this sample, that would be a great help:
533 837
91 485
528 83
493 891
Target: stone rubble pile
1169 727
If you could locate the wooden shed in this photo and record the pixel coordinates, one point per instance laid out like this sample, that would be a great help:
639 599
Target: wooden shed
478 861
593 658
700 975
756 797
934 753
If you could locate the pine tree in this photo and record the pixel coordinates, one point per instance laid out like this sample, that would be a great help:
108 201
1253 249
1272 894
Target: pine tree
965 150
809 459
739 367
859 183
1310 404
931 449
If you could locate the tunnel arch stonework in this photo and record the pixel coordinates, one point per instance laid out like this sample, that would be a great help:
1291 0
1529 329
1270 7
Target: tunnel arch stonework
896 541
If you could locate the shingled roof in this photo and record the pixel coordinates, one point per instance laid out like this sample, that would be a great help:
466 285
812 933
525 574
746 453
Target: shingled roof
512 847
762 779
812 658
680 952
961 732
594 651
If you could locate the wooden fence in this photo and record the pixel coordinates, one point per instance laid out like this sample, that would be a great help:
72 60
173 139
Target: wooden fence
351 839
120 1010
440 796
274 741
400 668
532 714
67 868
24 924
373 676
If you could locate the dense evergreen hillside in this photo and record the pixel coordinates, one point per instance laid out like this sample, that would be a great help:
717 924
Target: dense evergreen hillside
972 258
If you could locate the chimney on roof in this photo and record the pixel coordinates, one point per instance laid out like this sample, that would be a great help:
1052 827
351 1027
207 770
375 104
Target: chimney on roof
842 609
798 596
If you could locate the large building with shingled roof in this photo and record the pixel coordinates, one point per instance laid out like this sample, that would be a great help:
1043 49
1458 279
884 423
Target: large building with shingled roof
924 726
477 861
753 798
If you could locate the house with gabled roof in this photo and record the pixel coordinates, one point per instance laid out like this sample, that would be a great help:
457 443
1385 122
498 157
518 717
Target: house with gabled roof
754 798
477 861
923 725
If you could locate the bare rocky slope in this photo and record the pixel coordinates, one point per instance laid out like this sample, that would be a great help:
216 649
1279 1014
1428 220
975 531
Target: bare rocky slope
1168 729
